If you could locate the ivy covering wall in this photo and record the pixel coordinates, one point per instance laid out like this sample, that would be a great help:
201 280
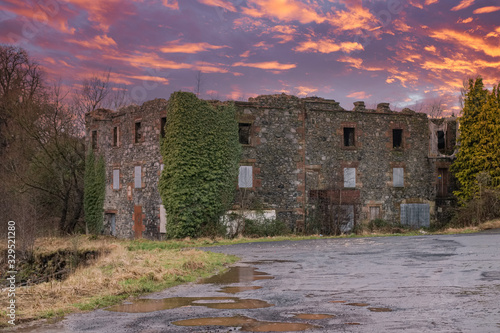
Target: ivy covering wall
201 154
94 192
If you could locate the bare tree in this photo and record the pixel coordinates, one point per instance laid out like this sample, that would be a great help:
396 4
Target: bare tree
199 77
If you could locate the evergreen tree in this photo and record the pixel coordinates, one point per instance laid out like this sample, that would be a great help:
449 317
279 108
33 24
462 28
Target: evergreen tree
94 192
479 139
200 153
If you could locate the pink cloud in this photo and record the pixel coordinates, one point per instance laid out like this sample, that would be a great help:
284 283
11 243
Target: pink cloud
219 3
463 4
269 65
488 9
177 47
327 46
359 95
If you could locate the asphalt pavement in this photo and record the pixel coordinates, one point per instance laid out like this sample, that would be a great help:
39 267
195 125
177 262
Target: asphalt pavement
448 283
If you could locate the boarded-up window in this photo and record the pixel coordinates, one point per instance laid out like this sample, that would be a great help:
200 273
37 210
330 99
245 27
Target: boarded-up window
350 177
115 136
415 215
244 132
245 177
163 219
138 132
374 212
349 137
397 138
137 176
116 179
398 177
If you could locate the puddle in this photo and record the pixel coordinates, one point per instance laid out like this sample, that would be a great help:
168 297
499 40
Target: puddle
234 290
313 316
263 262
358 304
246 324
237 274
150 305
380 309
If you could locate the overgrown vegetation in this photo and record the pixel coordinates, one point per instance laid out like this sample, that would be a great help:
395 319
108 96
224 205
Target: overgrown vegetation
95 190
200 153
126 270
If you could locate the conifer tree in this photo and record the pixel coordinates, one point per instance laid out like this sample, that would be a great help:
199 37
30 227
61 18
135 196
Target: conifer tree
479 139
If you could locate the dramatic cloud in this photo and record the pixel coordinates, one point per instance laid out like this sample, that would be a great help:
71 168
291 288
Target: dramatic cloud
272 65
177 47
463 4
328 46
485 10
404 52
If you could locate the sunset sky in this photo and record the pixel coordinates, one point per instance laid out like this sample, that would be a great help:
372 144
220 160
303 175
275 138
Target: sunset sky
406 52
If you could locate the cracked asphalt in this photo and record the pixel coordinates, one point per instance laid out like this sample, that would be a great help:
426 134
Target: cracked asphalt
448 283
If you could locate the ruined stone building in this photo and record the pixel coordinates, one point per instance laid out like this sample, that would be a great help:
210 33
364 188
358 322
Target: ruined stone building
307 161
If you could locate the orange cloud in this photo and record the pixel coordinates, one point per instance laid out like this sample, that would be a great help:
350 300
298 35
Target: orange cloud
430 48
358 63
467 20
284 10
152 60
262 45
463 4
219 3
461 65
39 16
285 33
488 9
245 54
466 40
399 25
355 17
327 46
176 47
359 95
98 42
304 91
402 76
270 65
99 11
430 2
172 4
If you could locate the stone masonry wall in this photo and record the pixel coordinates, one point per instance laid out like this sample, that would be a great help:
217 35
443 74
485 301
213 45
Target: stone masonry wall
296 149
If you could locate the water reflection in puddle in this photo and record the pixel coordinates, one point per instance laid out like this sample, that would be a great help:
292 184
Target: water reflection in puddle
246 324
234 290
150 305
313 316
380 309
238 274
358 304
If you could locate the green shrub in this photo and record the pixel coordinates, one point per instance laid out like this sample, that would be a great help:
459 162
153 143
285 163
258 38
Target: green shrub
265 228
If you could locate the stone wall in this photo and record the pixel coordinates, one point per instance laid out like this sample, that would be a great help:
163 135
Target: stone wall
136 210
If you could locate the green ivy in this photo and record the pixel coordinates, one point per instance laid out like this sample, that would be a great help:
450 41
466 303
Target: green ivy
201 154
479 139
94 192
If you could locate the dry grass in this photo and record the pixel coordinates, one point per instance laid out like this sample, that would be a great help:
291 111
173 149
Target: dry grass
110 278
495 224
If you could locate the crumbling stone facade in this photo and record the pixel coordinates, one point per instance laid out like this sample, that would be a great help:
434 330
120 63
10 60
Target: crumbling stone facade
300 156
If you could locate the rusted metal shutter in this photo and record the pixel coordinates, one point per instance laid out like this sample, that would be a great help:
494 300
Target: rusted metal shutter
415 215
